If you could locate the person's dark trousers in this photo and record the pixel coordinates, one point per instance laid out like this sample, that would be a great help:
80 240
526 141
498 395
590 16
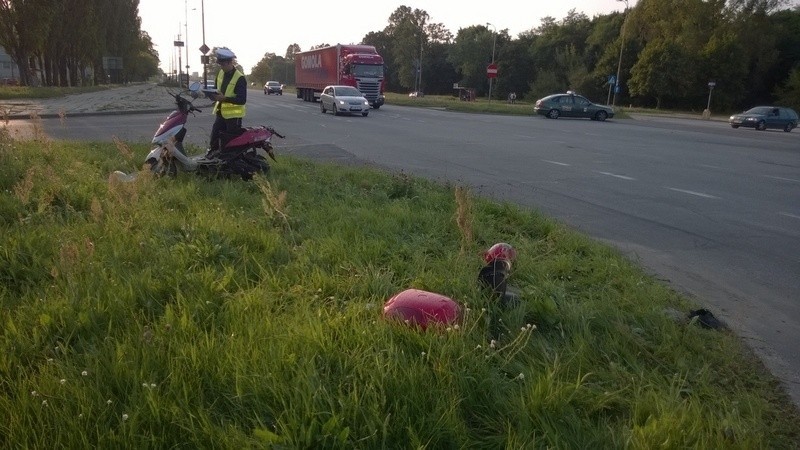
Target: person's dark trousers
220 127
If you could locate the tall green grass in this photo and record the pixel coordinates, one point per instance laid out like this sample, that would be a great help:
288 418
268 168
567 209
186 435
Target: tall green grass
187 313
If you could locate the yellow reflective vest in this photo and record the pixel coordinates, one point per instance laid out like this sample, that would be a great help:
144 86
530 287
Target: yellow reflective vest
229 110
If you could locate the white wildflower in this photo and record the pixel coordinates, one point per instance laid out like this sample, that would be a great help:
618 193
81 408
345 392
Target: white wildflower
63 381
85 373
124 417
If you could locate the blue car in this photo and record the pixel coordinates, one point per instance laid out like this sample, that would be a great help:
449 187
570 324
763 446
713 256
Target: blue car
764 117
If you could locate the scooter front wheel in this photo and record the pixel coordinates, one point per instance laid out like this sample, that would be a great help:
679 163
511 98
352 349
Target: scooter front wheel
158 168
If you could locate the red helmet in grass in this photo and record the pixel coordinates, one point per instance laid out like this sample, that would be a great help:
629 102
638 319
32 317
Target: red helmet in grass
501 250
421 308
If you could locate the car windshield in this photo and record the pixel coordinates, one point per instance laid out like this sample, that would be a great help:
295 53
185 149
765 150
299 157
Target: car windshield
347 91
273 83
759 110
371 71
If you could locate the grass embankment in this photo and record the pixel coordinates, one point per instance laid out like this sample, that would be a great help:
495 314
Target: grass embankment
227 314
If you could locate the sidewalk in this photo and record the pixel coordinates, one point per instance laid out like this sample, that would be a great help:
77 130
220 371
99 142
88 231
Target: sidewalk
131 99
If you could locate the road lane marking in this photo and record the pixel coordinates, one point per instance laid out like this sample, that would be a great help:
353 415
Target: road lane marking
699 194
782 178
617 176
555 162
793 216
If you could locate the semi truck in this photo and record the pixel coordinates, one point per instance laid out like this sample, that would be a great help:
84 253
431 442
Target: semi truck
359 66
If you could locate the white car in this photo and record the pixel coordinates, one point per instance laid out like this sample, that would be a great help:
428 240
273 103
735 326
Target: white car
343 100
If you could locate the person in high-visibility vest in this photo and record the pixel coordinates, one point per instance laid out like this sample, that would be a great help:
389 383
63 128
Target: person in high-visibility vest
229 102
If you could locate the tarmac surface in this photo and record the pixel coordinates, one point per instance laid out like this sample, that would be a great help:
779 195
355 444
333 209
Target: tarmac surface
149 98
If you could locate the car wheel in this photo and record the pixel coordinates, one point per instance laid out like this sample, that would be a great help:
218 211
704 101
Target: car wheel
734 126
335 111
788 127
322 107
761 125
601 116
553 114
365 114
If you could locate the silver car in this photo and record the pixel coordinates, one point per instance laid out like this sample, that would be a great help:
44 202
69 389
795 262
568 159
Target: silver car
343 100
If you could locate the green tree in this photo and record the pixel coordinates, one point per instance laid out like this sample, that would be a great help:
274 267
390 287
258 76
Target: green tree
470 53
662 71
789 92
515 66
23 32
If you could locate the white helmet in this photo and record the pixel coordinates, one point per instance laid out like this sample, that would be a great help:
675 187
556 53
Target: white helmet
225 54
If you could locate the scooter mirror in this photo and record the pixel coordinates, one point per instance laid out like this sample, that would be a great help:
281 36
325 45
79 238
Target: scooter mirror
194 87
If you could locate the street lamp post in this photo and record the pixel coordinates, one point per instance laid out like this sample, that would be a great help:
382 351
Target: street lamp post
621 48
494 43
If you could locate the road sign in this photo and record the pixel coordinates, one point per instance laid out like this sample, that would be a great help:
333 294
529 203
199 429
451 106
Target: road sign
178 43
204 49
491 71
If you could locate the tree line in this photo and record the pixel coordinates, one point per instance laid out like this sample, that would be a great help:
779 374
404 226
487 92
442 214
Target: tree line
667 53
76 42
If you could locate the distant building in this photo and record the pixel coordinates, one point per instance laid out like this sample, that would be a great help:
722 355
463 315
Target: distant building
8 68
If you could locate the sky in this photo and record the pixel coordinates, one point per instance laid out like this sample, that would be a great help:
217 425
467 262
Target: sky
253 28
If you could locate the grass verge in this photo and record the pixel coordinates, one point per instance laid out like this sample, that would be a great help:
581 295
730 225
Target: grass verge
192 313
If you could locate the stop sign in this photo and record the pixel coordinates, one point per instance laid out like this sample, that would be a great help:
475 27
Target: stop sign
491 71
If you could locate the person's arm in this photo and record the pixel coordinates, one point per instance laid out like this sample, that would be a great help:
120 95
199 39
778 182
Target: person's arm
241 92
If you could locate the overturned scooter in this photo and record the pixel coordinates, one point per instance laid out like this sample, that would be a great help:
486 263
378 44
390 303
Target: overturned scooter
242 154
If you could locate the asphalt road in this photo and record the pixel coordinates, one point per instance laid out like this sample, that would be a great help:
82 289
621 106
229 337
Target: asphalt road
711 211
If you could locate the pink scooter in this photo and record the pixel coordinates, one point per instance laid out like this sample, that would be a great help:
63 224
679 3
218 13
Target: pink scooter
242 154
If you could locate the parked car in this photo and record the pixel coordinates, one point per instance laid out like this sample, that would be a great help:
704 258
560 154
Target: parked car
763 117
343 100
571 104
273 87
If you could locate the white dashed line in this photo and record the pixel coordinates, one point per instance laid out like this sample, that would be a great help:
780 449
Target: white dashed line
782 178
555 162
699 194
617 176
793 216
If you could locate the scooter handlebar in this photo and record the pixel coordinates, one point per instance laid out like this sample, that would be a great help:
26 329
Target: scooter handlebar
272 130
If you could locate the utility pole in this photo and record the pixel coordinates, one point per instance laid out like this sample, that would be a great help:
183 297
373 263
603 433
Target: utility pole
621 47
205 57
494 43
186 35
